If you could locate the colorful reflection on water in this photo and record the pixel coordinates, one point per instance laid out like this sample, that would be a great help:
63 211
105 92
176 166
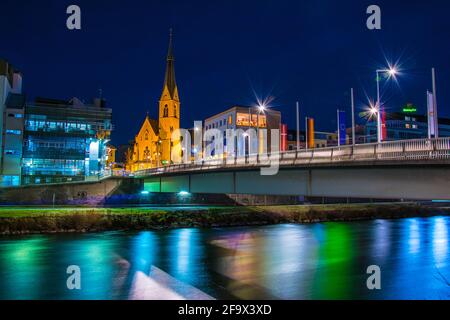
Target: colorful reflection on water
317 261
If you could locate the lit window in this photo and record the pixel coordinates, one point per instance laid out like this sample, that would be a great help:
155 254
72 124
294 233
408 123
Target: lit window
16 132
10 181
15 115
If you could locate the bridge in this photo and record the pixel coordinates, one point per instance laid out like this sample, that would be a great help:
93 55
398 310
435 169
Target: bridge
410 169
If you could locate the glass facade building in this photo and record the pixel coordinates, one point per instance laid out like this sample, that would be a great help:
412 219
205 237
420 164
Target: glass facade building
64 141
405 126
49 141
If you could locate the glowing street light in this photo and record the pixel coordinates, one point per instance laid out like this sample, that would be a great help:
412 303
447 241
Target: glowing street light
262 105
373 110
392 72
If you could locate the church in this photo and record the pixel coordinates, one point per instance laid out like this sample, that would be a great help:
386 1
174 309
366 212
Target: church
157 142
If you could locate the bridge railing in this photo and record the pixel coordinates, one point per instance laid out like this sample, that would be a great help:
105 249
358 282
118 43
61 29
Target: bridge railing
418 149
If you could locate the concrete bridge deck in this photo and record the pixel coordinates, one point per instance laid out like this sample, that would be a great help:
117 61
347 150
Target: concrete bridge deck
411 169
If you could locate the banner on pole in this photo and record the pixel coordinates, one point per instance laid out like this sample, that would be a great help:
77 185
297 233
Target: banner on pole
432 121
310 133
342 128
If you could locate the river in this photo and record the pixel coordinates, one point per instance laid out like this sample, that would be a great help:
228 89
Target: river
313 261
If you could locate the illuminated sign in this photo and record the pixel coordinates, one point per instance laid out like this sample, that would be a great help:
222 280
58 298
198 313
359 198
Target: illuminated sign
409 108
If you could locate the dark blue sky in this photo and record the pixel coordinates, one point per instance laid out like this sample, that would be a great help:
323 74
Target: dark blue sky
313 51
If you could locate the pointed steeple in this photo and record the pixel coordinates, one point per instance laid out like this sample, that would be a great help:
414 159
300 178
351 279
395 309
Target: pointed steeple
169 79
170 50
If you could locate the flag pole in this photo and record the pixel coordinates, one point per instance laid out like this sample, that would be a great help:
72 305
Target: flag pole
298 126
306 133
436 118
429 110
338 129
353 117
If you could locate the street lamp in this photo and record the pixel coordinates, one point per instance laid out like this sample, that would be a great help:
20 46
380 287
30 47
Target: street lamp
392 72
373 111
261 109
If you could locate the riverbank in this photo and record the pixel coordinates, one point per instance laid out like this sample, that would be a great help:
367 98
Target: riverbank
25 220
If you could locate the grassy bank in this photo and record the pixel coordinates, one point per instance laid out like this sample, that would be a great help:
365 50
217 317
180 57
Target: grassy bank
18 220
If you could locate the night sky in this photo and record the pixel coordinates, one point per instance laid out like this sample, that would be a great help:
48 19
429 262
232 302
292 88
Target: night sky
226 51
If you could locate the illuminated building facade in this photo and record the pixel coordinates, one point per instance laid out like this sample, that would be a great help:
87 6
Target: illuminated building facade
12 104
240 117
49 141
157 142
64 141
110 155
404 125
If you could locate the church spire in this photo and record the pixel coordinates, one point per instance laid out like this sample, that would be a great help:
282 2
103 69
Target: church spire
170 51
169 80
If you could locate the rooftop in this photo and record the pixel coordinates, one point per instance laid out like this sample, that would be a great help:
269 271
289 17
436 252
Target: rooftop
240 108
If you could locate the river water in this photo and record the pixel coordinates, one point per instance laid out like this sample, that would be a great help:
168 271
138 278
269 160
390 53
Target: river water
315 261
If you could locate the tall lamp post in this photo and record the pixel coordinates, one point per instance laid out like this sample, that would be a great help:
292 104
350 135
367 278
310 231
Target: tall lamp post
353 116
392 71
298 126
261 109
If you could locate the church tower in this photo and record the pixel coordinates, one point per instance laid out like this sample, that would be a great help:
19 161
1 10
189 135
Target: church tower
169 112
